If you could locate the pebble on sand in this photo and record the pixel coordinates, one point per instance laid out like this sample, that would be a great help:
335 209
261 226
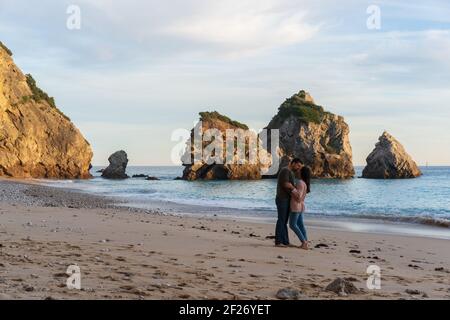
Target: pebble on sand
288 294
342 287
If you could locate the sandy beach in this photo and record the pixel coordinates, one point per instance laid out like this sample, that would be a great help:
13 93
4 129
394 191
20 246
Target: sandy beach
126 253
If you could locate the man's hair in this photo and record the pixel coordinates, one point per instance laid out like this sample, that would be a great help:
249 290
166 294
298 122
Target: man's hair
296 160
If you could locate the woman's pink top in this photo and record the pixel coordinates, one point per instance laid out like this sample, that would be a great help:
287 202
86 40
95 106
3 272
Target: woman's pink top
298 196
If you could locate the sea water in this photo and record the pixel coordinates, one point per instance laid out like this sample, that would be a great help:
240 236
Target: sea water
423 200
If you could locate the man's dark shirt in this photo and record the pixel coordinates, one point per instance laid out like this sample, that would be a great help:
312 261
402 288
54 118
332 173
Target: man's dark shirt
285 175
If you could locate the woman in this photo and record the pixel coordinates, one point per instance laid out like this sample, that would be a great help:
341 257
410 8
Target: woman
298 195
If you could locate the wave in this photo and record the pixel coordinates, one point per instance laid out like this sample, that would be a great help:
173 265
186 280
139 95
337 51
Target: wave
52 182
423 220
428 220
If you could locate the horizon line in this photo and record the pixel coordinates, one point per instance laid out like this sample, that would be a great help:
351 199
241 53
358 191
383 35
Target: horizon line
180 165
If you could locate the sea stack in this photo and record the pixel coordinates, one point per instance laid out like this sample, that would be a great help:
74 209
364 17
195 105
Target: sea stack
36 139
319 138
389 160
206 168
118 162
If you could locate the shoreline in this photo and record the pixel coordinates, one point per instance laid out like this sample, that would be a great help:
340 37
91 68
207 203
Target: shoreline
388 226
126 253
406 226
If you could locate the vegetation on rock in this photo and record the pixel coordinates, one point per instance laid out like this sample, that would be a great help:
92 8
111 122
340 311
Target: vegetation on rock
38 141
300 107
318 138
205 116
38 95
9 52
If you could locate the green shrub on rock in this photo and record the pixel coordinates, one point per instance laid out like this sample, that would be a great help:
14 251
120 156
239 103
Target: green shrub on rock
9 52
38 95
300 106
204 116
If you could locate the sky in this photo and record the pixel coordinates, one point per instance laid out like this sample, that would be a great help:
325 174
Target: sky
135 71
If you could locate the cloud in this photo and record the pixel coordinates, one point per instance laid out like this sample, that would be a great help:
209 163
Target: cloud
213 29
241 28
437 44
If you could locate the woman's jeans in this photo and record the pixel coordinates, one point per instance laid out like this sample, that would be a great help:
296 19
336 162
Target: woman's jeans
297 225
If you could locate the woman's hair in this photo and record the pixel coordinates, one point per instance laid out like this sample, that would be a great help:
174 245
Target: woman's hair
305 175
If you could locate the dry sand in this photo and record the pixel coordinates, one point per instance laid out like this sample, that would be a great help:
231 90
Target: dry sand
125 254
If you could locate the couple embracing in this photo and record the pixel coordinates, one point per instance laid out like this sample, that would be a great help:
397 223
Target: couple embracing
293 185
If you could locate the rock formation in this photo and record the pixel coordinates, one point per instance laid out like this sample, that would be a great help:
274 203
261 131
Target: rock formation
241 167
319 138
118 162
389 160
146 177
36 139
140 176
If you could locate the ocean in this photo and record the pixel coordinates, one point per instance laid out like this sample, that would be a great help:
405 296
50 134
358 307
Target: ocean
422 200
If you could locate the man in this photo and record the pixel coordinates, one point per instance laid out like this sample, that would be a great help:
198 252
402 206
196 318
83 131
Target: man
285 185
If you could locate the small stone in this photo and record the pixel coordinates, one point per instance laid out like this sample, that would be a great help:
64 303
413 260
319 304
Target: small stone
288 294
412 291
342 287
28 288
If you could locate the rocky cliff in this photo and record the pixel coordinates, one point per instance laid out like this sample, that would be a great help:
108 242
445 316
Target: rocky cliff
389 160
36 138
241 166
319 138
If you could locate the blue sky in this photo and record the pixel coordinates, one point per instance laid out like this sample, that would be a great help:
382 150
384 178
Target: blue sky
138 70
